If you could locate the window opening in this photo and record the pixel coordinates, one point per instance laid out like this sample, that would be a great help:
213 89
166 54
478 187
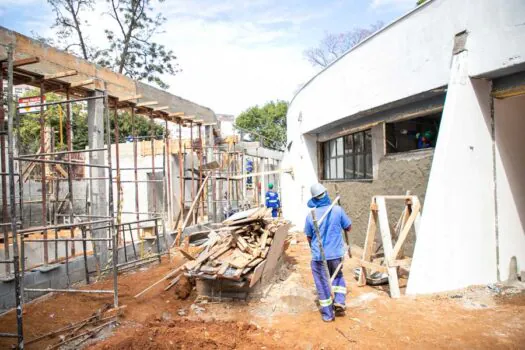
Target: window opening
413 134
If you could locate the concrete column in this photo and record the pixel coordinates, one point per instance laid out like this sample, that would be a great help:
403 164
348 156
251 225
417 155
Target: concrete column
378 147
98 193
456 243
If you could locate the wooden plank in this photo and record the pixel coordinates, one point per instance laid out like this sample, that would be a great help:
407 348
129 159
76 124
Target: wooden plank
275 252
255 262
129 98
81 83
406 229
176 114
22 62
264 238
147 103
369 245
257 273
61 170
161 108
387 246
174 282
186 254
67 73
223 268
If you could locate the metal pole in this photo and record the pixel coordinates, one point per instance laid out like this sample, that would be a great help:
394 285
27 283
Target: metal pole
135 155
192 168
181 179
7 267
43 172
119 185
69 141
166 216
200 171
153 175
110 199
84 247
11 167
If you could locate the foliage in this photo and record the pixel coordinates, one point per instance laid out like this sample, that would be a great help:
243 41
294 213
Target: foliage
29 126
130 50
267 122
419 2
68 23
332 46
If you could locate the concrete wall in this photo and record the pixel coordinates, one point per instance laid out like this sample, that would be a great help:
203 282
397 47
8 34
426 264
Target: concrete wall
397 174
393 65
509 115
410 56
456 244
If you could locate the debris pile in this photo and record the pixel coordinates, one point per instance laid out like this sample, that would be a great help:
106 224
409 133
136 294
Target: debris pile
247 247
237 251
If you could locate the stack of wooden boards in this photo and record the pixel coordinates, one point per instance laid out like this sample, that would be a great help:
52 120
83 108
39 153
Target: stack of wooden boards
239 250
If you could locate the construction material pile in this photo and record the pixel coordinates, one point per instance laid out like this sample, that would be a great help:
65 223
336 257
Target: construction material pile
239 250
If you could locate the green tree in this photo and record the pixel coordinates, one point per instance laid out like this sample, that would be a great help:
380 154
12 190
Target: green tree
29 125
267 122
419 2
129 50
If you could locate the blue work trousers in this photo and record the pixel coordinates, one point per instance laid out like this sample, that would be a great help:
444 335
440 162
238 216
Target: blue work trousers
275 212
322 284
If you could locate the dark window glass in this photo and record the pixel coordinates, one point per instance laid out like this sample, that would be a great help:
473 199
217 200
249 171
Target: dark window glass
348 157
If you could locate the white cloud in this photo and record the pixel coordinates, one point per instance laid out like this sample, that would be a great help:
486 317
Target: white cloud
233 53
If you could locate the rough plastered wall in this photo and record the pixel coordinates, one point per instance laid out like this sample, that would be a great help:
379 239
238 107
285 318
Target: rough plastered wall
397 174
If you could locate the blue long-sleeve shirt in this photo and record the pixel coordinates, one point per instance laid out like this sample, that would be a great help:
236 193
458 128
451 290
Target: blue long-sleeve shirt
272 200
330 229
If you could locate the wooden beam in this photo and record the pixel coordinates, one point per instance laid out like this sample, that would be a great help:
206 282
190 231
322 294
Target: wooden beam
386 238
198 121
176 114
81 83
64 74
129 98
162 108
23 62
145 104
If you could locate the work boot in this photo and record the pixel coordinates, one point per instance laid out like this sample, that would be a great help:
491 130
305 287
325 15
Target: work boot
339 309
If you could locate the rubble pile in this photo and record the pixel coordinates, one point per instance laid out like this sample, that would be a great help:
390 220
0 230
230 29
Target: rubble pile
238 250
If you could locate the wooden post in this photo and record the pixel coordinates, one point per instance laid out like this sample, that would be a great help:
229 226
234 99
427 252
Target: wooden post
386 238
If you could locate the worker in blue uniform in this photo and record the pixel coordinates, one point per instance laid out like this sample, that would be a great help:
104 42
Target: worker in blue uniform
272 200
334 249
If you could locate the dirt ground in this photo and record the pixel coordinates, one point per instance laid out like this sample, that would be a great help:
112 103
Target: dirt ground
285 316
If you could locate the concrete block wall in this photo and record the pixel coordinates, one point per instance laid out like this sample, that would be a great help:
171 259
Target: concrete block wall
57 278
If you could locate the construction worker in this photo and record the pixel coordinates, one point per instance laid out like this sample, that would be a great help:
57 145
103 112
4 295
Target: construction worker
272 200
334 250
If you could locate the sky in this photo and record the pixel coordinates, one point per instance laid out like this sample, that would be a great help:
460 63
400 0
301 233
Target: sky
234 54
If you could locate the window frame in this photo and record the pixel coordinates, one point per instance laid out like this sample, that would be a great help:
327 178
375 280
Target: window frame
350 155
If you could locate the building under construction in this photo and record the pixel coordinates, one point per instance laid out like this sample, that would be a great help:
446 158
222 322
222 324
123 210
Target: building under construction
74 215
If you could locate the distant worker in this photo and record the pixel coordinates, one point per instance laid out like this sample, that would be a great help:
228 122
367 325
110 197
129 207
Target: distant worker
272 200
334 249
425 139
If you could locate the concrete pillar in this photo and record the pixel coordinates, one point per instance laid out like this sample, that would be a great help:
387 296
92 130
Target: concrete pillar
98 193
378 147
456 243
